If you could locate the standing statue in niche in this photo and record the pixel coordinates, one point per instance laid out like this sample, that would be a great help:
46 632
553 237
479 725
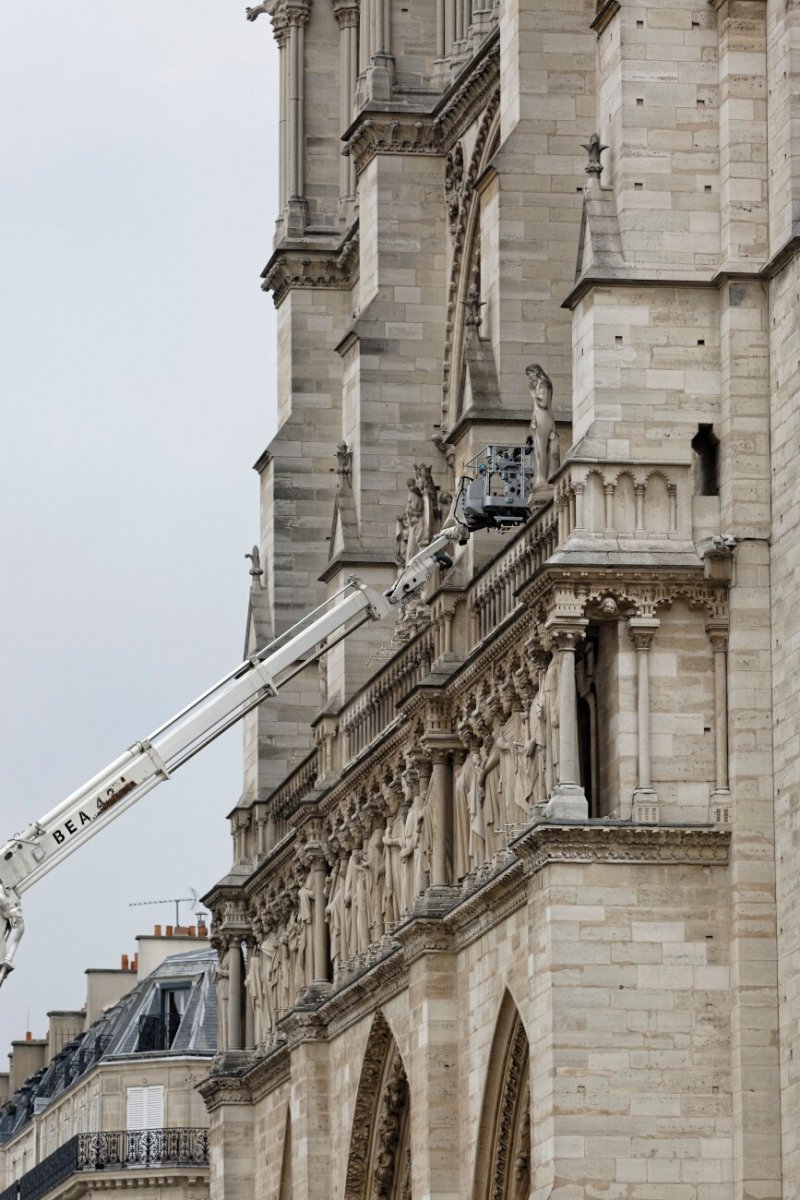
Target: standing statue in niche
393 842
513 770
254 985
305 910
462 780
374 860
543 435
222 978
412 837
269 981
362 901
334 911
350 902
284 971
534 751
296 958
493 779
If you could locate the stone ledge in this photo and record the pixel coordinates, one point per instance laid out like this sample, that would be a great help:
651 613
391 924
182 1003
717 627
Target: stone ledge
611 841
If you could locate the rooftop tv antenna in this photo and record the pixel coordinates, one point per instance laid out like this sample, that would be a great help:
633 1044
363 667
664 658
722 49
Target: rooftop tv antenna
192 899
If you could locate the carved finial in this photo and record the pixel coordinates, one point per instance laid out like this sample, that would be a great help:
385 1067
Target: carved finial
255 562
594 149
344 461
474 304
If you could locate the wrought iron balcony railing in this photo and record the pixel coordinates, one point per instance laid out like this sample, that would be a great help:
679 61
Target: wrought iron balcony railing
117 1150
120 1149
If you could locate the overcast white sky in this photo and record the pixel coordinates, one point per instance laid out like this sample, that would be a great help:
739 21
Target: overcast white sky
137 202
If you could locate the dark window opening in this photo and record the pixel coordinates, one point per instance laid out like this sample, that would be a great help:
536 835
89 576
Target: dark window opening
705 444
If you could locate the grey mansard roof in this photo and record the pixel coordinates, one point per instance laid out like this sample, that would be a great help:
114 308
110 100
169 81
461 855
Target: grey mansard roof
117 1035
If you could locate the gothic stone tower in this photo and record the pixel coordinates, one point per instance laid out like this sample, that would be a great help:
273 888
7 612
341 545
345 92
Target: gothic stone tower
514 906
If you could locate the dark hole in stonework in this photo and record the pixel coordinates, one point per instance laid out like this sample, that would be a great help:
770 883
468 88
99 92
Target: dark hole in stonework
705 444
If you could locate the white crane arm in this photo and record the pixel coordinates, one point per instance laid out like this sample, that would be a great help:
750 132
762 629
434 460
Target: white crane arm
31 854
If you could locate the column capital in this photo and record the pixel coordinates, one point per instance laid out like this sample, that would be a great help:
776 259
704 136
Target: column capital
298 12
642 631
564 633
717 631
346 13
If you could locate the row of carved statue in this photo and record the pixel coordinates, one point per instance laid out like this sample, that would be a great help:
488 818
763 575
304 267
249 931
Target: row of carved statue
376 856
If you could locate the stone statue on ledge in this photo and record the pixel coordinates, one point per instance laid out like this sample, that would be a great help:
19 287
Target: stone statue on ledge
543 435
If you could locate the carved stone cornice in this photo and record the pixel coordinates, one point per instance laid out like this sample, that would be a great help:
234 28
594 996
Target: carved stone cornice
469 93
489 904
423 935
365 993
374 132
309 265
702 846
222 1089
270 1072
566 588
153 1180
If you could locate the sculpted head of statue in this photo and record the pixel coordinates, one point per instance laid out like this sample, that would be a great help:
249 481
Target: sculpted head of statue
540 384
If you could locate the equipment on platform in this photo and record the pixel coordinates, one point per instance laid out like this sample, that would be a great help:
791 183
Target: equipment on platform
492 495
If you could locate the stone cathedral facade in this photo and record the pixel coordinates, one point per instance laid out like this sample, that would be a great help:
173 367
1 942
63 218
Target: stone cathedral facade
514 908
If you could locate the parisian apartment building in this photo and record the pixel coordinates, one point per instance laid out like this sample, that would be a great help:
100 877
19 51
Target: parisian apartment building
108 1100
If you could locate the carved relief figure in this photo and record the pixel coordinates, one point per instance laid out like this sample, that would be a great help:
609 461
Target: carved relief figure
222 979
544 435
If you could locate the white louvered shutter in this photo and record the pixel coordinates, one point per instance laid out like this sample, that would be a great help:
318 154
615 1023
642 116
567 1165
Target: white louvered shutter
145 1108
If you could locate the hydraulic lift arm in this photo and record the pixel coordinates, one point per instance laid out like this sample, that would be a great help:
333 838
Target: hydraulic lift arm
494 496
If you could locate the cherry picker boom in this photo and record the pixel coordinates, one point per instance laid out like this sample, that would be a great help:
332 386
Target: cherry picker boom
494 495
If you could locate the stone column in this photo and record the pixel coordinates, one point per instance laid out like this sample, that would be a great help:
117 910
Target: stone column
718 636
270 836
236 984
280 32
346 13
297 16
568 800
441 802
645 800
377 62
